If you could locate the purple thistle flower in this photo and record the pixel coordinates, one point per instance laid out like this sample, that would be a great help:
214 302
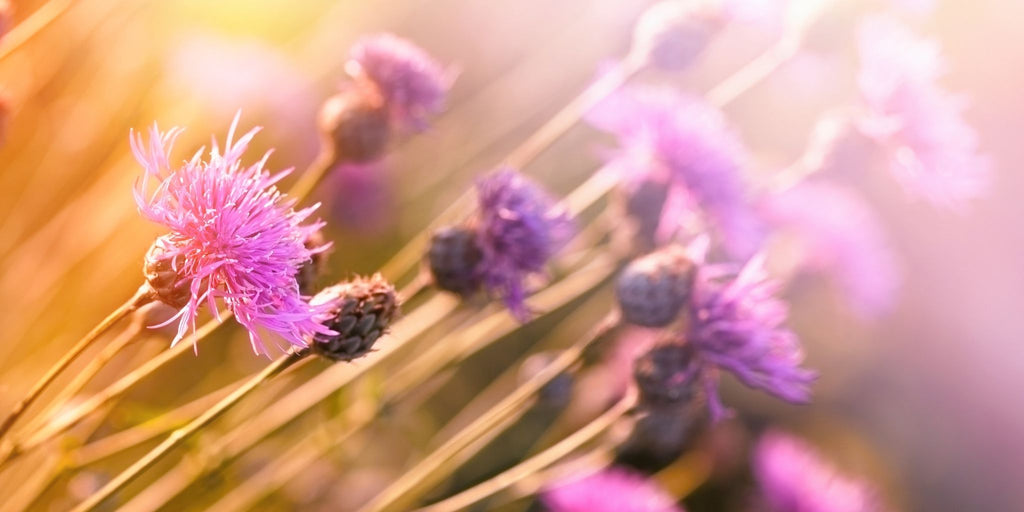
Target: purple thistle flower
738 327
518 228
793 478
931 150
411 83
838 234
688 146
233 236
608 490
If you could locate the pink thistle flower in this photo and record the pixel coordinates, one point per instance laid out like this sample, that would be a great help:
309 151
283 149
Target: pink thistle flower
839 235
609 490
413 85
931 150
233 236
793 478
688 147
738 326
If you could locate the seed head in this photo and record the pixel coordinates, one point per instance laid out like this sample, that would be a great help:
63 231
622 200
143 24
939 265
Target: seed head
453 258
652 291
358 312
355 122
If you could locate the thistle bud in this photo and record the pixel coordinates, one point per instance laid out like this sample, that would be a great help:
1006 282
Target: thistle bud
642 203
160 269
667 373
672 33
316 267
356 123
453 258
361 311
653 289
659 436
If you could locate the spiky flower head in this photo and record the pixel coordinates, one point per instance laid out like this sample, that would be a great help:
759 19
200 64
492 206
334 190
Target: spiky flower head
687 146
608 490
412 84
670 34
652 290
791 476
233 236
931 150
739 326
360 311
519 227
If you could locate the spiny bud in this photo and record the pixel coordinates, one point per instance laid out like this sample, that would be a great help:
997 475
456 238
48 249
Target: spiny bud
653 289
672 33
316 267
356 123
453 257
162 276
667 373
361 311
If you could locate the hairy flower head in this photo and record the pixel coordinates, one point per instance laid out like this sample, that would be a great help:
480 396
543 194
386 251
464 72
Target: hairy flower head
233 236
608 490
688 146
518 228
738 326
412 84
931 150
793 478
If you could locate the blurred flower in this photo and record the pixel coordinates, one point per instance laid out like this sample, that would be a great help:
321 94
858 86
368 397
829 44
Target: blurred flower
793 478
687 146
608 490
931 150
518 228
668 373
360 198
653 289
670 34
738 326
233 236
411 83
836 233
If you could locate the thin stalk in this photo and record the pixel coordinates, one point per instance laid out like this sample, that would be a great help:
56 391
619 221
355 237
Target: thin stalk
536 463
142 296
314 173
404 491
35 23
754 72
179 436
60 424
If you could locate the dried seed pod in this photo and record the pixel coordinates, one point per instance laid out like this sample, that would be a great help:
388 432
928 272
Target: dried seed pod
667 373
162 277
356 123
453 258
362 310
652 290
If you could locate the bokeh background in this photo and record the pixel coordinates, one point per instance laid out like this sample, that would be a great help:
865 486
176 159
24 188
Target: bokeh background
926 399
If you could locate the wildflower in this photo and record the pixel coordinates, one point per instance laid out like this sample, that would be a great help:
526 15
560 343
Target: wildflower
668 373
670 34
792 477
738 326
454 258
608 490
653 290
686 146
411 84
359 312
233 236
518 229
837 234
930 149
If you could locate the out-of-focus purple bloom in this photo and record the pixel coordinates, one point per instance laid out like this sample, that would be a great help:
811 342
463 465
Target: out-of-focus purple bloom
608 490
836 233
359 196
687 145
793 478
233 236
411 83
931 150
670 34
519 227
739 326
